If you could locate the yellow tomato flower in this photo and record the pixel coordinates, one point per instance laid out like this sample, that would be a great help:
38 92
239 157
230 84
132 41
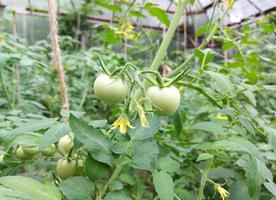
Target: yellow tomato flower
142 116
223 192
222 117
126 31
123 123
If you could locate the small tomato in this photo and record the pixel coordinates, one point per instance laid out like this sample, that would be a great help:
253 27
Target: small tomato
165 100
110 90
66 168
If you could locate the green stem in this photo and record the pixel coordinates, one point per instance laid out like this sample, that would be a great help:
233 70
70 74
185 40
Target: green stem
157 76
203 180
165 43
115 174
169 35
103 65
5 92
176 197
199 89
201 46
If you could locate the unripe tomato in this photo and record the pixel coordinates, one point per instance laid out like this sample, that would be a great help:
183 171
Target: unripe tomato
165 100
49 151
30 150
66 168
21 155
65 144
110 90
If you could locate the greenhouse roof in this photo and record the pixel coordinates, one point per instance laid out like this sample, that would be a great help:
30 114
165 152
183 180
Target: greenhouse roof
197 14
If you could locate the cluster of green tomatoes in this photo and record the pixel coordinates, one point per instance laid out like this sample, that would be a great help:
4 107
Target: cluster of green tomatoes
165 100
65 167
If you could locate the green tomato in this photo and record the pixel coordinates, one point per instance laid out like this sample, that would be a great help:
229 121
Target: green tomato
21 155
110 90
65 144
165 101
30 150
49 151
66 168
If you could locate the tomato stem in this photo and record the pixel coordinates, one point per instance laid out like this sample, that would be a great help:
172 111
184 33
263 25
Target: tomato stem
201 46
103 65
159 80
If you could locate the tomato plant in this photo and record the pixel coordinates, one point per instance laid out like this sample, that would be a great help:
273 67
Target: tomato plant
117 115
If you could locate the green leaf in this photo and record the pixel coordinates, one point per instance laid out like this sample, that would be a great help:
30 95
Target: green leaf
117 195
77 188
169 165
4 57
204 156
238 190
271 187
95 170
26 138
127 178
96 143
31 187
239 144
98 123
178 122
208 127
203 29
107 5
142 133
145 155
32 125
163 185
9 194
221 82
205 55
53 134
221 173
271 132
116 185
137 13
157 12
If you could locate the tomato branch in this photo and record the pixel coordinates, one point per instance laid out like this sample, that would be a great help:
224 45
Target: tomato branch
199 89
